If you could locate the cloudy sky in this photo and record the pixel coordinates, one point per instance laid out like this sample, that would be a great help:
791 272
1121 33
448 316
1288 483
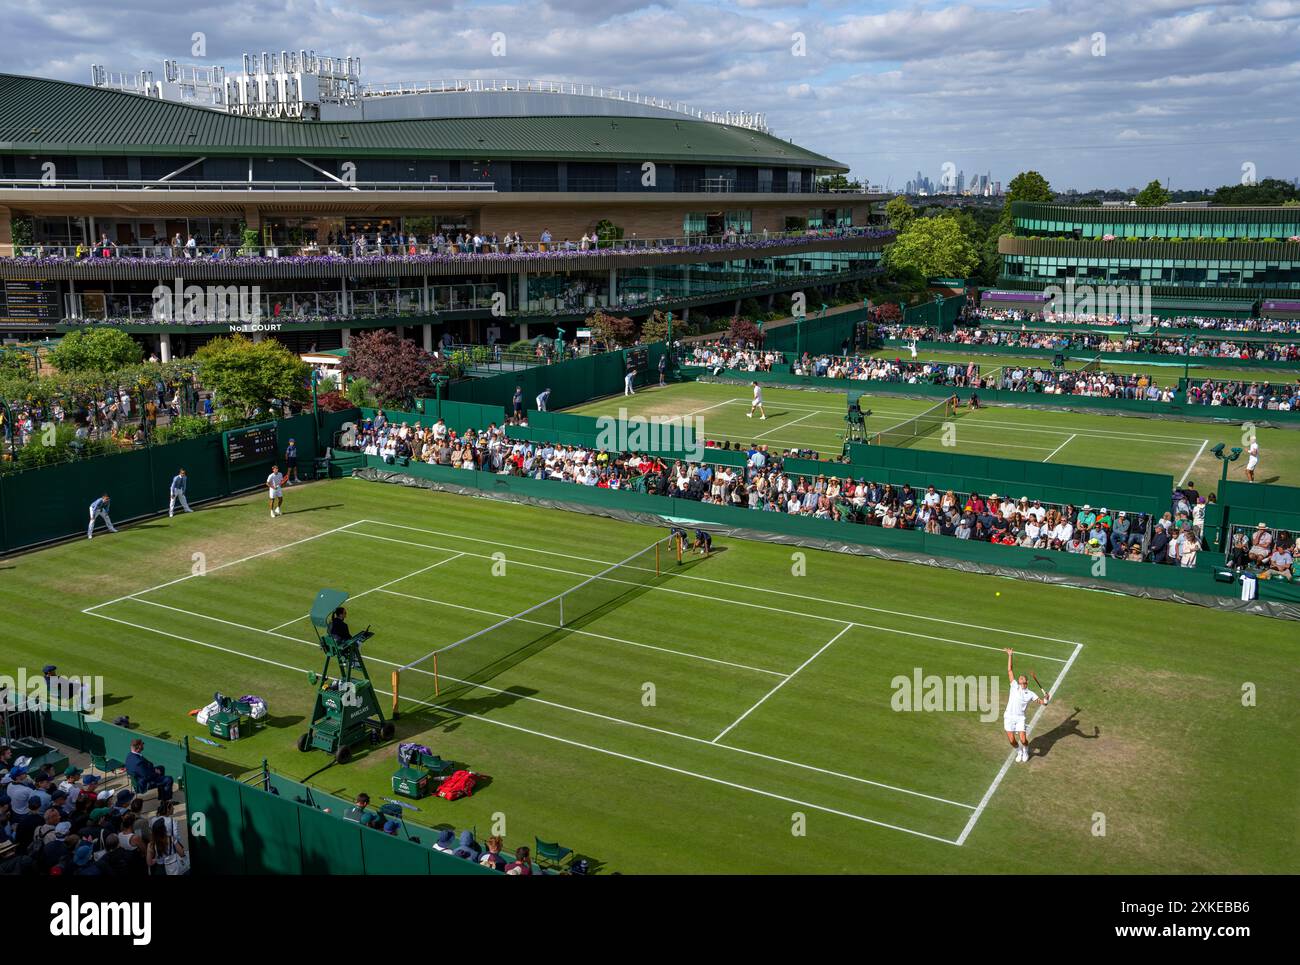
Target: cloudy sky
1092 93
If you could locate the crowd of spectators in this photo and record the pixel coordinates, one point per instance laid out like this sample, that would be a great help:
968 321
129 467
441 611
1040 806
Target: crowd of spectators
1276 396
1110 385
763 484
392 242
66 823
1101 343
1006 316
490 853
128 415
716 356
1269 554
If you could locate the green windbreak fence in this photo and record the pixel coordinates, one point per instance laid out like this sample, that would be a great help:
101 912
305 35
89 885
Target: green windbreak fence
251 831
53 502
1285 499
100 738
1249 504
942 314
818 334
1061 567
458 415
571 383
238 827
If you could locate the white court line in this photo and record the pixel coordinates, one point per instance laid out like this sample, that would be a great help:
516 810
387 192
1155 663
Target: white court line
557 705
705 579
1192 465
589 633
988 795
786 425
376 589
573 743
1001 424
1059 448
761 700
222 566
718 599
696 411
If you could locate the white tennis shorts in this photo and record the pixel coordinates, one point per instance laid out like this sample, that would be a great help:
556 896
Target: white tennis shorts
1252 462
1013 725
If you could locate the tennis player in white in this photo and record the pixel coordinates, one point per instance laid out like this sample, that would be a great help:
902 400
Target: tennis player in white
1252 459
1013 718
275 490
757 403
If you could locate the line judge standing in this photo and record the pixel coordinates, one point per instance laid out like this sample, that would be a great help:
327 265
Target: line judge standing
99 510
179 483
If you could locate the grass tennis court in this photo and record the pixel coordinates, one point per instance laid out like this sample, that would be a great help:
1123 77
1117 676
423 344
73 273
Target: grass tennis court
1169 374
730 717
798 418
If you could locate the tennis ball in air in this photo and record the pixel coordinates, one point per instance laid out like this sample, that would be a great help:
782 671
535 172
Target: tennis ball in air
998 593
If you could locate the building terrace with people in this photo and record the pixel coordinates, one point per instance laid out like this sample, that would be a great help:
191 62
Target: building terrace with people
485 214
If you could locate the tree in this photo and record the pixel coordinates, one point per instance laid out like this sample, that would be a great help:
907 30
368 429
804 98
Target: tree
249 377
396 368
1029 186
14 364
655 328
838 182
888 313
899 213
614 331
934 247
1153 195
1268 191
95 350
743 330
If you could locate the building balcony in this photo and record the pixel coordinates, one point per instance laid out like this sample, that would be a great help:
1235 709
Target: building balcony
371 260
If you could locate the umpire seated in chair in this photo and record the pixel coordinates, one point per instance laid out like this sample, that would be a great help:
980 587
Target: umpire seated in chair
339 625
145 775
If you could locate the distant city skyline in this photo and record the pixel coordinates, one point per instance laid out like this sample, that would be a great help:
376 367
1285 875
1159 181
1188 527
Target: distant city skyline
1104 93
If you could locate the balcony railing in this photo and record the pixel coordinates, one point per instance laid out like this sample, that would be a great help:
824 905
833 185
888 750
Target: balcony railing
284 307
417 250
338 187
577 185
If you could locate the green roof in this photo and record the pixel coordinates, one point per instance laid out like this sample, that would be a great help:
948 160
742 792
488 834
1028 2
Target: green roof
41 116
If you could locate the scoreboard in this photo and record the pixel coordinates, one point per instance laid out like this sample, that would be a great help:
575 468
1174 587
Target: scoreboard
638 358
251 445
23 300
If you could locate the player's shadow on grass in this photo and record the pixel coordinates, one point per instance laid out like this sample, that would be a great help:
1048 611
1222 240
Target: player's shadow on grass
312 509
1043 743
1270 479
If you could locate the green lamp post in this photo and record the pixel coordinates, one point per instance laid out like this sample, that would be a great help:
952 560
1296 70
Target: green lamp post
1232 455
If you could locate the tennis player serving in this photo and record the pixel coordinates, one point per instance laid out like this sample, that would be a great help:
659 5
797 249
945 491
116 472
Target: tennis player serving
1013 718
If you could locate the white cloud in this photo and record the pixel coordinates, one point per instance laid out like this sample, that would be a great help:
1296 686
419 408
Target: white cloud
1184 85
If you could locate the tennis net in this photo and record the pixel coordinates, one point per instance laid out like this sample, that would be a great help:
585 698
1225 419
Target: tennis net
1093 366
486 653
909 430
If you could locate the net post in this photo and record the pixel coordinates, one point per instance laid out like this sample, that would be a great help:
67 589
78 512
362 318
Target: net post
656 559
396 676
437 688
